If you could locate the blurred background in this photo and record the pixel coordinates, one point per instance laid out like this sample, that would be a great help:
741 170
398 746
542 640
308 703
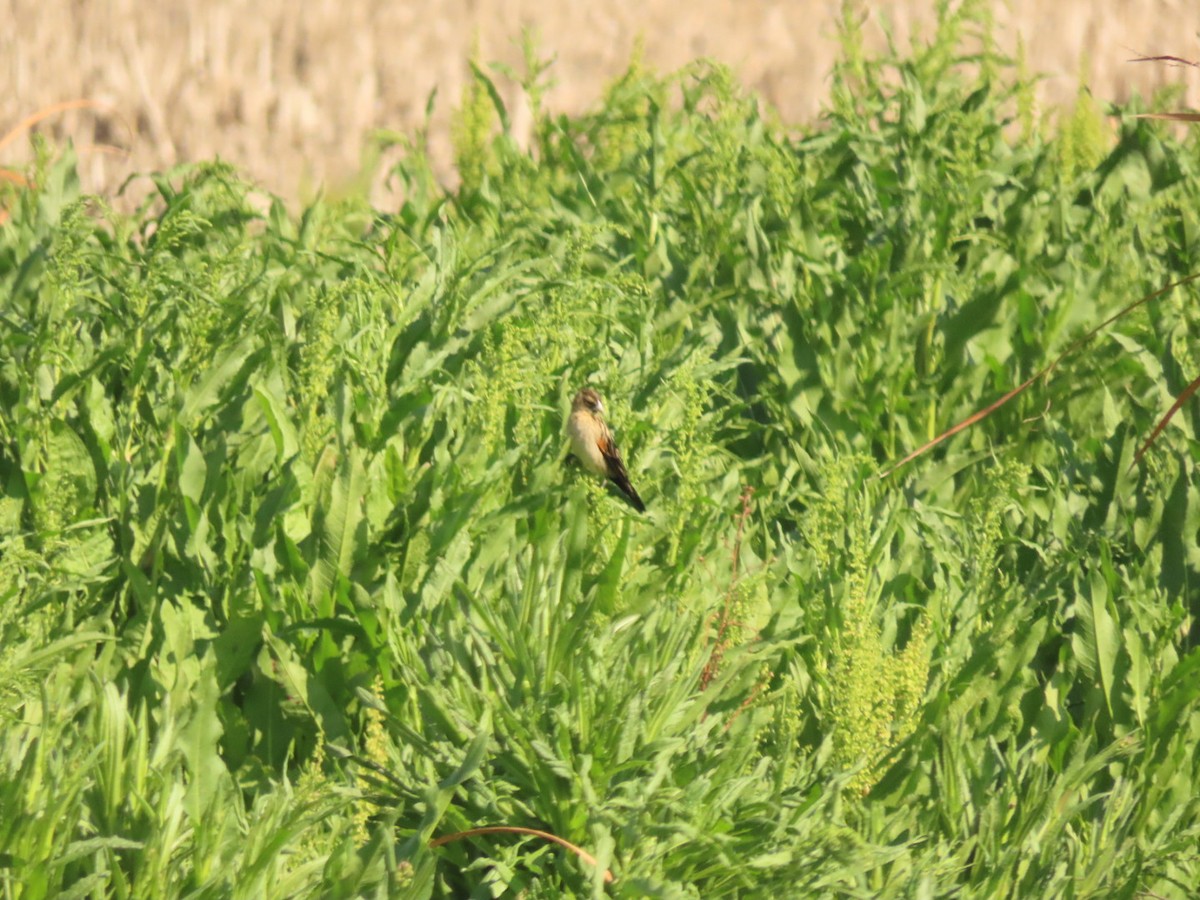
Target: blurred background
289 92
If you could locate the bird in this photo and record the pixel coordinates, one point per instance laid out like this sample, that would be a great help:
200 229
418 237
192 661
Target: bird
592 441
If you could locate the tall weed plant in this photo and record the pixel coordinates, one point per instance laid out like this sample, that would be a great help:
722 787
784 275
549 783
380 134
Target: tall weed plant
295 580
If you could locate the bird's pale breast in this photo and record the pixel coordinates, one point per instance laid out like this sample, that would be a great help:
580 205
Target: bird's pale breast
585 432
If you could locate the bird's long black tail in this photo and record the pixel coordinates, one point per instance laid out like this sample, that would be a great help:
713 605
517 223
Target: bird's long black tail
621 480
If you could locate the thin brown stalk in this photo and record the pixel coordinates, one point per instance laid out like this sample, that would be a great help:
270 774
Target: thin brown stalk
1162 423
1043 373
1179 60
725 620
1171 117
516 829
46 112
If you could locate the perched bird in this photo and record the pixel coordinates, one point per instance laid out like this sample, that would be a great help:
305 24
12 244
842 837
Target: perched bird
592 442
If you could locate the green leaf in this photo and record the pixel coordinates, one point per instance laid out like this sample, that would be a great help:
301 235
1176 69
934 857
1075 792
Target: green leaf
283 430
1105 634
200 396
199 740
340 528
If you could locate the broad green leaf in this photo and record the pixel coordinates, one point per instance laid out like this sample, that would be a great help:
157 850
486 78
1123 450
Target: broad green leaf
340 528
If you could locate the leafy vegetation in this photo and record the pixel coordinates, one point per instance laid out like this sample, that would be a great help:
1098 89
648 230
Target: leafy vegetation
295 579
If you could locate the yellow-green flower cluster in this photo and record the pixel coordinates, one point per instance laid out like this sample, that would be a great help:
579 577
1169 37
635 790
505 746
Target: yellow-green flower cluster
769 165
67 258
876 693
21 571
68 480
471 133
1081 140
875 689
525 354
314 789
318 364
690 448
985 518
375 750
836 509
627 101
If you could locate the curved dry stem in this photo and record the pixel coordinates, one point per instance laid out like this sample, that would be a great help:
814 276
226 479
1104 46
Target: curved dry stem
1162 423
1177 60
516 829
15 177
1173 117
1071 348
102 149
53 110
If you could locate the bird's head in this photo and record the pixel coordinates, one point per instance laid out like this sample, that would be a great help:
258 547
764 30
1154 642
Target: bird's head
588 399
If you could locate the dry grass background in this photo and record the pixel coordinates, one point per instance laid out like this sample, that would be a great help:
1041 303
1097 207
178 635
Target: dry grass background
288 91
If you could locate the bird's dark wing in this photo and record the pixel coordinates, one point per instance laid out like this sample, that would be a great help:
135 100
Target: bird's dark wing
616 470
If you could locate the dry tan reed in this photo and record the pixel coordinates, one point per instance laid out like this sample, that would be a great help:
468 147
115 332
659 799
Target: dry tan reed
287 91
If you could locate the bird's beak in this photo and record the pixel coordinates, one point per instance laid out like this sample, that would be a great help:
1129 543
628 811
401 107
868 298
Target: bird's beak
600 406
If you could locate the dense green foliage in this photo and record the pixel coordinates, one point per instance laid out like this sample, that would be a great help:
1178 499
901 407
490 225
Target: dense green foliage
293 577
